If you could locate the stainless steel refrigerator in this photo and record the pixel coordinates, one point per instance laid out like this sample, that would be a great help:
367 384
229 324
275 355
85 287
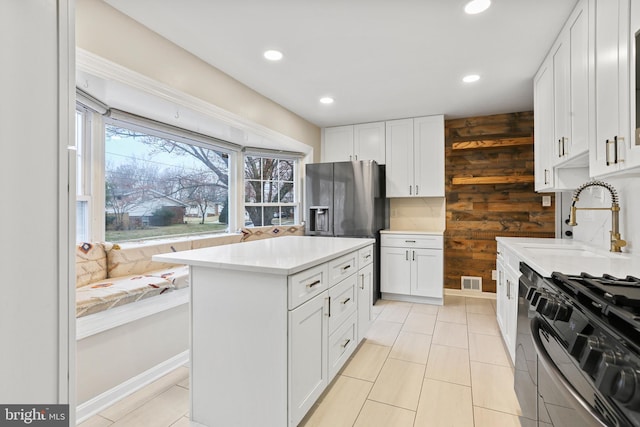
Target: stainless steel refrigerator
347 199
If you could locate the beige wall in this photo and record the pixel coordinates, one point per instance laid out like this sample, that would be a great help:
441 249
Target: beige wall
104 31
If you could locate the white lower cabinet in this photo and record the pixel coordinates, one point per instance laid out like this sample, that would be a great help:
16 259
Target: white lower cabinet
507 266
365 298
412 267
308 371
323 331
342 343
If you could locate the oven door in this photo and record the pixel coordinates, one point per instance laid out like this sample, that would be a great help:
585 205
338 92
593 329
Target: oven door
565 397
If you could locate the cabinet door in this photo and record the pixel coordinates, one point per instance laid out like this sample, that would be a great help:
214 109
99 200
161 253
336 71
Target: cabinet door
501 298
395 271
561 96
634 48
580 94
399 158
337 145
511 311
369 142
612 86
543 126
365 300
428 136
308 341
426 272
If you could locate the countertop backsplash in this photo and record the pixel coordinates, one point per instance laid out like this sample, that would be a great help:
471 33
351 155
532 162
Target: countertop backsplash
421 214
594 226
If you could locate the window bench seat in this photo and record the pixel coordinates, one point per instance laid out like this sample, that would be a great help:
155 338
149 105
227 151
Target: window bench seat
140 334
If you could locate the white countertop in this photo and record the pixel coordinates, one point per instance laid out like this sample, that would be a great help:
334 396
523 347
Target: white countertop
428 233
280 255
571 257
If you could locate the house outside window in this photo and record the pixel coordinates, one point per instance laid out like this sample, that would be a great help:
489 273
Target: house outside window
160 185
270 190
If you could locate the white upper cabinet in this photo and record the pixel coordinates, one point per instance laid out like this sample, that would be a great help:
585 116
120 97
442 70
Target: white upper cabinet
571 87
563 99
543 126
634 79
415 157
608 151
337 144
369 142
354 142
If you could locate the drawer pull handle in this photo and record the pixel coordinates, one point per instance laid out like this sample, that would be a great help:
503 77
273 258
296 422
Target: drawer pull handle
346 343
368 256
346 300
346 267
409 241
311 285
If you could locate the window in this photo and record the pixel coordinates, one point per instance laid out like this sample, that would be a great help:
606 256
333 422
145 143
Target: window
270 190
83 184
158 184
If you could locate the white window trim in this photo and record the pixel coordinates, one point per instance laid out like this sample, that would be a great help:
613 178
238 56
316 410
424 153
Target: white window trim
163 130
297 180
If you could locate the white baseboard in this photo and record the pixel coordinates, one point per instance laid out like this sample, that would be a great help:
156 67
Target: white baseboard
470 294
412 298
109 397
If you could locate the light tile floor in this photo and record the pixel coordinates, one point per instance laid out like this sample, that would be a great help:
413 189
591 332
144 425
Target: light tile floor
420 365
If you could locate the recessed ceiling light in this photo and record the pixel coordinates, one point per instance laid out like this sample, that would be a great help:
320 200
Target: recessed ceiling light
477 6
471 78
273 55
326 100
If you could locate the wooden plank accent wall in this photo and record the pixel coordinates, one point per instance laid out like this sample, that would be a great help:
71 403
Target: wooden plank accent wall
489 190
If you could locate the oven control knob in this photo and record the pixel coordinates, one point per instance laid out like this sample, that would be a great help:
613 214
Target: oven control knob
532 296
591 356
542 302
564 313
550 308
576 348
626 387
607 371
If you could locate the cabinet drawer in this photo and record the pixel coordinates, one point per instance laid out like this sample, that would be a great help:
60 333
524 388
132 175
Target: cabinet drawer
365 256
342 343
342 267
425 241
308 283
342 301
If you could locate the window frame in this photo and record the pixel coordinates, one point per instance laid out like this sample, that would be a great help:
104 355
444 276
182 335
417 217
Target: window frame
297 183
162 130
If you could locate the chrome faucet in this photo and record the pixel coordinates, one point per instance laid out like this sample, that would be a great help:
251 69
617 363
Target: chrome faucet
616 242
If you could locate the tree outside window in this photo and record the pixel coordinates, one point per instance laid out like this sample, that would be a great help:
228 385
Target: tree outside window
270 190
157 186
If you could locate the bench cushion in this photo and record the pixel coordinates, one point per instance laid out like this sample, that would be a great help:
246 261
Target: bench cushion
91 263
178 276
125 260
110 293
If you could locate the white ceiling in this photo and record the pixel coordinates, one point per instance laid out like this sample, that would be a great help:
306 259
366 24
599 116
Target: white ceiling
379 59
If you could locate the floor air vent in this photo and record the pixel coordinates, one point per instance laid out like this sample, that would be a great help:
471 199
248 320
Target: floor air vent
471 283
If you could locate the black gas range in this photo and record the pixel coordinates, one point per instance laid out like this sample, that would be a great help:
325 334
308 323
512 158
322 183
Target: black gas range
586 334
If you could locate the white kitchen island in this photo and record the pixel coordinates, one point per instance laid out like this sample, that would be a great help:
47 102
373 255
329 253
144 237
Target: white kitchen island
272 322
